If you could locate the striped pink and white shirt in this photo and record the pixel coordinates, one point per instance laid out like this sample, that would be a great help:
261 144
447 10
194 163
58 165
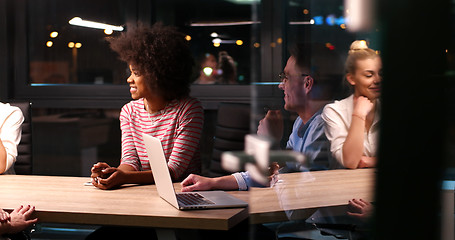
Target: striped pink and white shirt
178 125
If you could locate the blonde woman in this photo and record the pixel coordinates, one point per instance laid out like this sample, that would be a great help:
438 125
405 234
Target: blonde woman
352 124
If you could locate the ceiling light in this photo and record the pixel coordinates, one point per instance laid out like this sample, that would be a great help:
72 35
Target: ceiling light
77 21
215 24
53 34
108 31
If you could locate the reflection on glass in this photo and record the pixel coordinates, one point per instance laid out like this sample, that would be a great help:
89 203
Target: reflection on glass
207 70
61 53
318 198
227 69
313 78
219 28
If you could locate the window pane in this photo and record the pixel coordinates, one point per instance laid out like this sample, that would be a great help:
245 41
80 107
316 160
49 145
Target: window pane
219 33
61 53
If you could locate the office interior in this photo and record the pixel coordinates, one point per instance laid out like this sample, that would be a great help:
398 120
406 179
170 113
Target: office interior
76 85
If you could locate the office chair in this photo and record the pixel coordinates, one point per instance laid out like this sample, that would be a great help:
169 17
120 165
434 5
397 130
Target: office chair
23 165
233 123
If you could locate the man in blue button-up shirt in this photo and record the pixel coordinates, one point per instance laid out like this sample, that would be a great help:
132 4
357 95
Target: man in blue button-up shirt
301 89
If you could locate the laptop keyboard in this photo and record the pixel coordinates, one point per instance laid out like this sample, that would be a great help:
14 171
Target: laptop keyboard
192 199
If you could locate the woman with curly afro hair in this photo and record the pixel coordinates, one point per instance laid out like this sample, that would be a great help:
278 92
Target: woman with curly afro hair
161 65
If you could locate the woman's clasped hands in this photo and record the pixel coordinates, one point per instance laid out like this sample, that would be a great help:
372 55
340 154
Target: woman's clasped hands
107 177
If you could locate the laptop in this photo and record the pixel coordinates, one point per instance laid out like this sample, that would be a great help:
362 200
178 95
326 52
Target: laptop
183 200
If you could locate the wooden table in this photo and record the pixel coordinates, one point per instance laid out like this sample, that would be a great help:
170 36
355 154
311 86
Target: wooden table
67 200
308 191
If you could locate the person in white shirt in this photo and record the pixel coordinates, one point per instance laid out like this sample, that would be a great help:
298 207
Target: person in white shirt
11 119
352 124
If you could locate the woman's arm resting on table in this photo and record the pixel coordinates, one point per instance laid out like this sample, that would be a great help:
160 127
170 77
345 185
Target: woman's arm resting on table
123 174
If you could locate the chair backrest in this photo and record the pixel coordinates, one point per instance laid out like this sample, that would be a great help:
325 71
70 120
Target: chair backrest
24 162
233 123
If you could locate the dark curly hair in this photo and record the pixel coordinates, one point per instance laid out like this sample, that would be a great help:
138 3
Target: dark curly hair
159 52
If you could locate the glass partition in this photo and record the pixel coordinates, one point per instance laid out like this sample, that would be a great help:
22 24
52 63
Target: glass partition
77 85
66 40
320 29
219 33
63 51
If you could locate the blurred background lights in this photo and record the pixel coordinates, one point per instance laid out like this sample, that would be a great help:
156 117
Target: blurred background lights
207 71
53 34
108 31
188 38
318 20
279 40
340 20
216 40
306 11
330 20
214 34
330 46
216 44
256 45
74 45
49 43
239 42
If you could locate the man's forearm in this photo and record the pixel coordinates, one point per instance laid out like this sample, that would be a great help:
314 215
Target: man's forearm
225 182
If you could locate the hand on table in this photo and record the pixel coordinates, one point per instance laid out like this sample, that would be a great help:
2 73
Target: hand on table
196 183
20 219
274 169
4 216
106 177
97 170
